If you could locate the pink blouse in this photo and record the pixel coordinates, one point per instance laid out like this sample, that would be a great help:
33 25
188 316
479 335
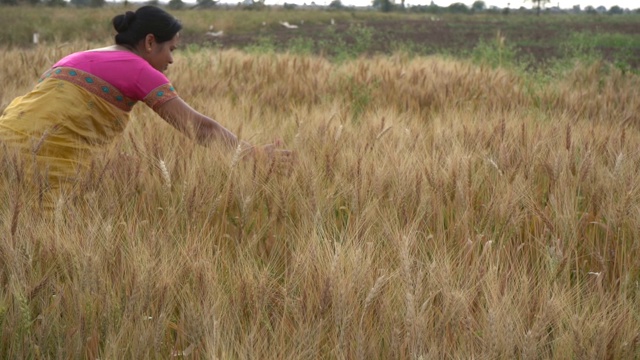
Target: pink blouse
120 77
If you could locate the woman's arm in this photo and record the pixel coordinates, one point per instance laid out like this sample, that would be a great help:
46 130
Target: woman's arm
205 131
196 126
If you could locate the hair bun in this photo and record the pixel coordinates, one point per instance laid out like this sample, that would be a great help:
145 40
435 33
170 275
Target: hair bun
122 22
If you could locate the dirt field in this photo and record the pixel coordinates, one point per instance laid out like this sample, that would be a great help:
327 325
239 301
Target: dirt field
540 39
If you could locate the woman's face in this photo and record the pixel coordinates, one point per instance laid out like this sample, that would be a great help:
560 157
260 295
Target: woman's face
159 55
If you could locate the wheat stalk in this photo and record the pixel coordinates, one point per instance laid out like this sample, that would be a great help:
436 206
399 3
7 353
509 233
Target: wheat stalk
165 174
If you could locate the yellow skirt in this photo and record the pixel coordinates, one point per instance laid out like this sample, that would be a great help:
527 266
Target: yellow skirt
56 129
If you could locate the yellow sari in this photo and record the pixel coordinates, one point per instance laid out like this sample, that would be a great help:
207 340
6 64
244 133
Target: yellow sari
61 123
70 115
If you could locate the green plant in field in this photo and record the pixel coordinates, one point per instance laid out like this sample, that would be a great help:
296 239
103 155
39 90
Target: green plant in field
192 48
360 95
301 46
263 45
581 46
409 48
496 53
588 47
334 45
362 38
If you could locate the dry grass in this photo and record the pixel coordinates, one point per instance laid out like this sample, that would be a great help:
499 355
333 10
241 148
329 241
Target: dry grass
437 210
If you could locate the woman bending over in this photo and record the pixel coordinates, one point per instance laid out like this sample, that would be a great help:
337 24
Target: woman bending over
84 100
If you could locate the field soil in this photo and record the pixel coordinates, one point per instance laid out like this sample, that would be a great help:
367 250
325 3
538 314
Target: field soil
535 38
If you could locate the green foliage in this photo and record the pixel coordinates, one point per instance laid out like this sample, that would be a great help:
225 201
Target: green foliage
430 9
410 48
206 3
495 53
383 5
458 8
255 6
580 45
616 10
301 46
88 3
333 45
478 6
353 42
190 49
590 10
290 6
176 4
362 38
264 45
586 47
336 5
360 96
60 3
539 4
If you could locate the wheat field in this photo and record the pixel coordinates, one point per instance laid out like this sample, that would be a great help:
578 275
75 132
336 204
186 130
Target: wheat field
437 210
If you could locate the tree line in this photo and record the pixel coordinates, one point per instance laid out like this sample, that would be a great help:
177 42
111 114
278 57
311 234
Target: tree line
381 5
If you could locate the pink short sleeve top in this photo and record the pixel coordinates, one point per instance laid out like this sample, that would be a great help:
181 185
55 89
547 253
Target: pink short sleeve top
132 76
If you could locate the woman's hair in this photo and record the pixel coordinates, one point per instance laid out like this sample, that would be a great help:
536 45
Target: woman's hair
134 26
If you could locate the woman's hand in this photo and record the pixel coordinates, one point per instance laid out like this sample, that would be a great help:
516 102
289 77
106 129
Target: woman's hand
274 156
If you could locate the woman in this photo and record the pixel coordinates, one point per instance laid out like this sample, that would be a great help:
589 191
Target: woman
84 100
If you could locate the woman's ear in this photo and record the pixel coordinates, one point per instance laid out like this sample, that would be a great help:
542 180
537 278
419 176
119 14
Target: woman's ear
149 41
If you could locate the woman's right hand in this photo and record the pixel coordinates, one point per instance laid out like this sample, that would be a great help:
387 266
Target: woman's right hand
275 157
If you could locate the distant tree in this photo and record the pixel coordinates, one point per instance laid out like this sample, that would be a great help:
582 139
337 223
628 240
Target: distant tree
478 6
616 10
539 4
590 10
431 8
383 5
8 2
206 3
56 3
253 5
85 3
336 5
458 8
176 4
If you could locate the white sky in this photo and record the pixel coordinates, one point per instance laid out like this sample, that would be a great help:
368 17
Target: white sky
514 4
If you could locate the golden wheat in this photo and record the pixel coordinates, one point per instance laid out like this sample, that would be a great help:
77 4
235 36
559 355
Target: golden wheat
436 209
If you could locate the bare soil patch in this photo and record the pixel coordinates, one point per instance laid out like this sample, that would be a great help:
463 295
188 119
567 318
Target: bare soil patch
539 39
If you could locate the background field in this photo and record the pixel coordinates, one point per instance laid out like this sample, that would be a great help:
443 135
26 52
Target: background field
442 206
530 41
